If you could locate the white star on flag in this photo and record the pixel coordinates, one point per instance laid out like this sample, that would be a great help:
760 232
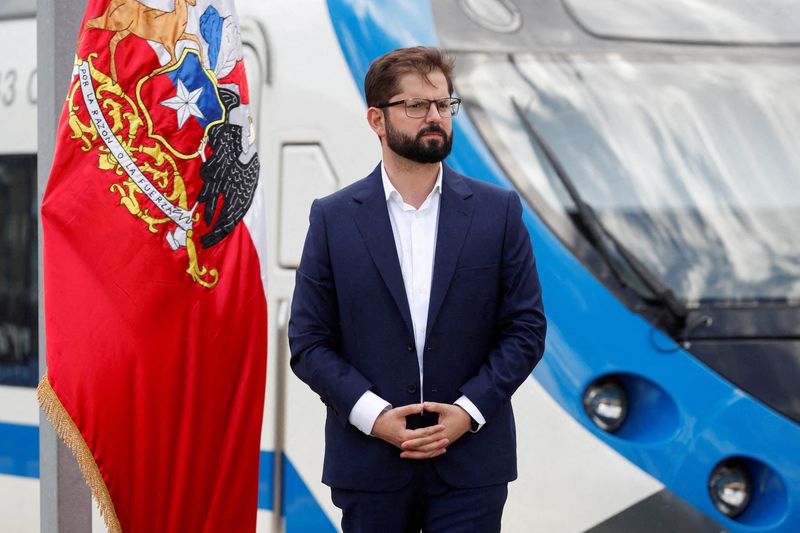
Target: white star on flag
185 103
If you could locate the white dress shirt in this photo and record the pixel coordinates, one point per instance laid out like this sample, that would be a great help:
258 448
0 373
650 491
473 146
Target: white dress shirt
414 233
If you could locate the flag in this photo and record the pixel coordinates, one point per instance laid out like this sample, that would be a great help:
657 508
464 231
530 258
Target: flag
155 308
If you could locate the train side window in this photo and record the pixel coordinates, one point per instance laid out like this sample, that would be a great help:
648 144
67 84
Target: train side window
19 364
306 173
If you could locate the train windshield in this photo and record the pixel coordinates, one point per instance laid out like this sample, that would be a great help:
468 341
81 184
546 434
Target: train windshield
691 163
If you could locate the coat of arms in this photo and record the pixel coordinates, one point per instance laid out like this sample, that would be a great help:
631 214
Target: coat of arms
177 112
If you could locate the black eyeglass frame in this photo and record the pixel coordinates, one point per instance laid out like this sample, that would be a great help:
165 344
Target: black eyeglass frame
453 101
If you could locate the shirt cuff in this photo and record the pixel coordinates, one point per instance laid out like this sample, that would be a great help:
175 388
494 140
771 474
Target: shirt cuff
366 411
467 405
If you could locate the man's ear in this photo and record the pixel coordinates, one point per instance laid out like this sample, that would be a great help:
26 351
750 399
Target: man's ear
376 121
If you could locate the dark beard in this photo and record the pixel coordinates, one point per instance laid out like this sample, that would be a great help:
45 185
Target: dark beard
417 149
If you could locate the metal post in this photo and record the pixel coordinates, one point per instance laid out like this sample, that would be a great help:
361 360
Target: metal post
278 522
64 496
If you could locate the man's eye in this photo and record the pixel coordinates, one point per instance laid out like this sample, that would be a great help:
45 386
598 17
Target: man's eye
415 105
443 106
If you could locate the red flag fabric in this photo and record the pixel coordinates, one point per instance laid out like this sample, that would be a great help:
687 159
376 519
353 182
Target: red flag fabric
155 309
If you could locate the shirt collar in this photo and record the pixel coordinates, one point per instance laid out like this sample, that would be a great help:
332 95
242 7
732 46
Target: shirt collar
388 188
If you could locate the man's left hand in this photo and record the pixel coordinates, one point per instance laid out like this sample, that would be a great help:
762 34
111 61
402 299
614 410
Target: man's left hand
456 422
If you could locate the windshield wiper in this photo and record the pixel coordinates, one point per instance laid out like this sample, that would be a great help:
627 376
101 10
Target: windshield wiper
630 271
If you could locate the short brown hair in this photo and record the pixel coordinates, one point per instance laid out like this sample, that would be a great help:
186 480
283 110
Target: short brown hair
381 81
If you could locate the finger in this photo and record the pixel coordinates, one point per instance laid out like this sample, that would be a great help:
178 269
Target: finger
422 455
423 441
434 407
410 434
427 446
406 410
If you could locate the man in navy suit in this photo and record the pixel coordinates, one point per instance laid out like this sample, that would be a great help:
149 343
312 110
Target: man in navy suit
417 313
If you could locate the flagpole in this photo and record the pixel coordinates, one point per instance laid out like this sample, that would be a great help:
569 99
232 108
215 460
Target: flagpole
65 500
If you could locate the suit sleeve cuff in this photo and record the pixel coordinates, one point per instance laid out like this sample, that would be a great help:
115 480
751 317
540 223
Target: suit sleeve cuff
366 411
467 405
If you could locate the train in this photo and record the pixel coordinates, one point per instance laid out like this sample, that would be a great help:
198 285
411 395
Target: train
654 147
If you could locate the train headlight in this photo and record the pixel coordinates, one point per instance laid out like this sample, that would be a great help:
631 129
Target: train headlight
730 487
606 404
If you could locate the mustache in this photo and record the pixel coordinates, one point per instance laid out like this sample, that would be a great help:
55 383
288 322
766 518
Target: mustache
432 129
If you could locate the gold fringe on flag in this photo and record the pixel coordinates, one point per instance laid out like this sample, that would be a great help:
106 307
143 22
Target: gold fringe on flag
69 433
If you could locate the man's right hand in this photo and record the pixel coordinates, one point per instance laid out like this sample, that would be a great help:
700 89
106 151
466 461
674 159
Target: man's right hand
390 426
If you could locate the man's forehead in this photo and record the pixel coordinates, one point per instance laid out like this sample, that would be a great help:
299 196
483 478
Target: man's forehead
432 83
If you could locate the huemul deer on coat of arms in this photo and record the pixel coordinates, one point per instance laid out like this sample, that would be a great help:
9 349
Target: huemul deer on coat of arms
131 17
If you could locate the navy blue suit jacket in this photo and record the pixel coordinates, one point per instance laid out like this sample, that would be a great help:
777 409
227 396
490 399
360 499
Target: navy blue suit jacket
350 329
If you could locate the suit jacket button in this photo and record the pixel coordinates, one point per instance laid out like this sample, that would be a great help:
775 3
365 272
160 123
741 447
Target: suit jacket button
410 347
412 388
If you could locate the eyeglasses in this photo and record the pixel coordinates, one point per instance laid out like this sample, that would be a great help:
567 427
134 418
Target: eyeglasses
419 107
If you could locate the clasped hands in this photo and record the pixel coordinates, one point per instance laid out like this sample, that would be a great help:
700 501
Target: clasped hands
427 442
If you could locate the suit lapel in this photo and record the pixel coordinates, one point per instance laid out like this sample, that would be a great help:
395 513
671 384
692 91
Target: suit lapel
455 215
372 219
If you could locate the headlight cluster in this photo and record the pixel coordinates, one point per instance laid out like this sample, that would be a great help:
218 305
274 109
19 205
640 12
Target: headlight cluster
730 484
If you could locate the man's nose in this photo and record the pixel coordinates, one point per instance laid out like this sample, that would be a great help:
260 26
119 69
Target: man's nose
433 113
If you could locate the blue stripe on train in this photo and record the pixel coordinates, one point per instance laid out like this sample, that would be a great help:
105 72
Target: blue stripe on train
19 450
300 508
